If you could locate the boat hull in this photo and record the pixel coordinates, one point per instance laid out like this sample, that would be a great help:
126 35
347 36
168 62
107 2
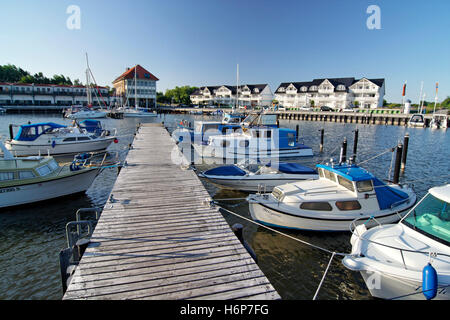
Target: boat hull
96 115
23 149
45 190
276 218
207 151
251 184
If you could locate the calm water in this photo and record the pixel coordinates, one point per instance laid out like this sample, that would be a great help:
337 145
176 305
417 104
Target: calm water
32 236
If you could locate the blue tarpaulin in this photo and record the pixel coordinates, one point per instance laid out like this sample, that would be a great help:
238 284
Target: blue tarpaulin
226 171
387 196
293 168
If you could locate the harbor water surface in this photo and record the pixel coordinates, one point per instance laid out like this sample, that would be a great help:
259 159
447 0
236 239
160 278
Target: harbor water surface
32 236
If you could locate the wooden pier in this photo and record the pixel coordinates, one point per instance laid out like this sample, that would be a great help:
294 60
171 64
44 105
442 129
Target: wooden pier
158 237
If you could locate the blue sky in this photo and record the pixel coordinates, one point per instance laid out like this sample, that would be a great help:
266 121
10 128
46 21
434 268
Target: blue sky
199 42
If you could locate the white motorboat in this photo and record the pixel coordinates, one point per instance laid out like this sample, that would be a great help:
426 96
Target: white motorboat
253 177
400 260
342 193
439 121
85 113
137 112
261 138
30 179
55 139
417 120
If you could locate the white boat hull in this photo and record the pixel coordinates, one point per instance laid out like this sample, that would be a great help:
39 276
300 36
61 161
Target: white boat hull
87 115
207 151
276 218
63 186
254 184
24 148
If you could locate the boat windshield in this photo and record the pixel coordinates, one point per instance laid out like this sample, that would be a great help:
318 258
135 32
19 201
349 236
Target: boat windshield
432 218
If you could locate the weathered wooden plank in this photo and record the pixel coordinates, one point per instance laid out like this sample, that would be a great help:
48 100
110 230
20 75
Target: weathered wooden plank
159 239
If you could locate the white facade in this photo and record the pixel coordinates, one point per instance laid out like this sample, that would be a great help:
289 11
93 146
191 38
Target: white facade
248 95
18 94
336 93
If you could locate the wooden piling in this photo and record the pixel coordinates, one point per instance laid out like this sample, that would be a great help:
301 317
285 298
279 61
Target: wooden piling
398 159
405 151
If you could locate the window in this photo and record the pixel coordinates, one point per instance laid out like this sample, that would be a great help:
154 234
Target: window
329 175
4 176
277 194
346 183
53 165
69 139
26 175
244 144
348 205
225 143
431 217
44 170
321 173
316 206
364 186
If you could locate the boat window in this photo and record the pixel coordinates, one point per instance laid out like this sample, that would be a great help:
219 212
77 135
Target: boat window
4 176
329 175
364 186
225 143
348 205
26 175
83 138
431 217
69 139
244 143
346 183
291 139
53 165
44 170
316 206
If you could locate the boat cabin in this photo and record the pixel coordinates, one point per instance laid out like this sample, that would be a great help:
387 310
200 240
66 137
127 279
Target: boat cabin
261 120
30 132
14 170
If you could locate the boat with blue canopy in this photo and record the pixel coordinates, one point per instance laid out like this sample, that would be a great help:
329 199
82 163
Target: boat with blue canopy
342 193
55 139
251 177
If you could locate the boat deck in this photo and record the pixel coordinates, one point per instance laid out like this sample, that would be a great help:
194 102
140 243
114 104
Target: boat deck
158 238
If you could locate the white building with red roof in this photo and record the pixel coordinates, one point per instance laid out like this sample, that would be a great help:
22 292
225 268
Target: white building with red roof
136 87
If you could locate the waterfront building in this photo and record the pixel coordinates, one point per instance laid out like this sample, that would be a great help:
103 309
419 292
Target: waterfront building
250 95
136 83
49 96
336 93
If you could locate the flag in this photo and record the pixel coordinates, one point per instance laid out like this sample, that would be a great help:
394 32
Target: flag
437 87
404 90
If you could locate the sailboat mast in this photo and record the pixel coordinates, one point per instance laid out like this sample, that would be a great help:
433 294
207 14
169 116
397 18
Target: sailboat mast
88 91
135 87
237 87
420 98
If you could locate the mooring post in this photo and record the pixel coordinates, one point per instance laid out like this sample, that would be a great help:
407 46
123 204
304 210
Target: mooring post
398 159
343 157
405 151
11 133
238 231
321 139
355 145
297 130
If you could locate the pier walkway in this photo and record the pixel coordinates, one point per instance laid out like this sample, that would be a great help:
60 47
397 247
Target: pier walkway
158 238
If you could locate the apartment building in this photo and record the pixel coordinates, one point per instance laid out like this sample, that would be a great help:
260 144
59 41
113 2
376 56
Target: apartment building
250 95
336 93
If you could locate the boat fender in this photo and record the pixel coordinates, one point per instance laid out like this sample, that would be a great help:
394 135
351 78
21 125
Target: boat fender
53 143
74 167
429 282
116 140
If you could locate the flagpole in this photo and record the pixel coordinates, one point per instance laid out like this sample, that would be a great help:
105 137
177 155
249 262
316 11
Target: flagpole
436 97
420 98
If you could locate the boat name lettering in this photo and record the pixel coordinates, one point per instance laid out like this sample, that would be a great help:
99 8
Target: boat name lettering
9 190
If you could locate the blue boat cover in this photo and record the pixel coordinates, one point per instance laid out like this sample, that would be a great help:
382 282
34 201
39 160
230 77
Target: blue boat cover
386 195
290 167
226 171
30 132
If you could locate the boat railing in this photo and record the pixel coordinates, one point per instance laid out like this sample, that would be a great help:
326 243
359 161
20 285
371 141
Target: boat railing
356 232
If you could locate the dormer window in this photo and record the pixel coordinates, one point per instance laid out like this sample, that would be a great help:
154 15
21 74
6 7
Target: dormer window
281 89
304 89
313 88
341 87
256 90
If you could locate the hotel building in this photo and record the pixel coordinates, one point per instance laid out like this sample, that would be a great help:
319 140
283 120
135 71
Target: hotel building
136 83
49 96
336 93
250 95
